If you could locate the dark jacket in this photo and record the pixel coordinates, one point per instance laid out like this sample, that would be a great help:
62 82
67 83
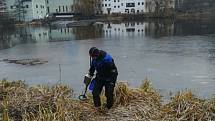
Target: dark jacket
104 66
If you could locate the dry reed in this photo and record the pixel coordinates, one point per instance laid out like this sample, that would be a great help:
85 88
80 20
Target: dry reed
18 102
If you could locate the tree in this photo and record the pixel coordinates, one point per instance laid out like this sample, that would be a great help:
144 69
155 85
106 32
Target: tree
149 7
2 7
160 8
5 20
85 7
20 10
167 7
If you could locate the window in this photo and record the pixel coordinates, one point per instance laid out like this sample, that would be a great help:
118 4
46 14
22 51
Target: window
130 4
47 1
66 9
138 3
118 6
36 6
130 29
114 0
63 9
59 8
11 7
114 6
105 5
26 6
142 3
48 9
121 4
132 10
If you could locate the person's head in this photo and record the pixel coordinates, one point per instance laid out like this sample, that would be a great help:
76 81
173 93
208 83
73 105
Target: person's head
94 52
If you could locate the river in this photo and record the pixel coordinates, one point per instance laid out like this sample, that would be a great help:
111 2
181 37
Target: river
173 55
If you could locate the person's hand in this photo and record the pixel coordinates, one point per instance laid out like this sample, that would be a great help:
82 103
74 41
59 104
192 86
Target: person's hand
88 75
87 79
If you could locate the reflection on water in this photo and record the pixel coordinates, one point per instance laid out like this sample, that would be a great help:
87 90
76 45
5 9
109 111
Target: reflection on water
194 28
153 28
173 54
5 38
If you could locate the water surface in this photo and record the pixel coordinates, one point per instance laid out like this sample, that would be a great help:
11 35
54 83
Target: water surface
173 55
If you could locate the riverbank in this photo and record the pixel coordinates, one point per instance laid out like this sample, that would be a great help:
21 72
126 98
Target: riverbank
202 15
84 20
57 102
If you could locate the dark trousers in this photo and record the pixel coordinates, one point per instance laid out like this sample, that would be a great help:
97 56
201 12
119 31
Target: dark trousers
109 90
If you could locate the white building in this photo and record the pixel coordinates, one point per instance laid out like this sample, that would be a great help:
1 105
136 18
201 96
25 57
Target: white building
59 6
28 10
120 6
39 9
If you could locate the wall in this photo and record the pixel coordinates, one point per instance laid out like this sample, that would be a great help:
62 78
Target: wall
39 9
59 6
119 6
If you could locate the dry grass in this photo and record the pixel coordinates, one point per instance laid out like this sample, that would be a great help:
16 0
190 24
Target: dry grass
57 103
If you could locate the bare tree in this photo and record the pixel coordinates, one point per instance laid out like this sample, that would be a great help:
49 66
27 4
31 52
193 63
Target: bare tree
5 20
2 7
159 7
20 10
149 6
85 7
167 7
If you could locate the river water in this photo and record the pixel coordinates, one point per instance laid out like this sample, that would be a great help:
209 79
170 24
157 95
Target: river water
173 55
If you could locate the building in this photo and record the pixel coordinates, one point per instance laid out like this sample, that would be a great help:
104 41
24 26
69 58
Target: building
39 9
120 6
59 6
28 10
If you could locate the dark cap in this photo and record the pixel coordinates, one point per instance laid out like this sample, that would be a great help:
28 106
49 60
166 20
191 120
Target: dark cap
94 52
